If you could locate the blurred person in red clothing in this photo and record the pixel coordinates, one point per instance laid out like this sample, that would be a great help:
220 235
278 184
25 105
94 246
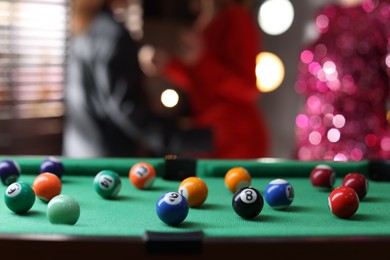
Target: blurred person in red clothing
215 65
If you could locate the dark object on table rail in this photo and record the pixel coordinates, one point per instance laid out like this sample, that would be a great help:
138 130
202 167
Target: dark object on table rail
379 170
177 169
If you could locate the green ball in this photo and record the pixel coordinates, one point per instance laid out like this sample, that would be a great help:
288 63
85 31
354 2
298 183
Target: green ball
63 209
19 197
107 184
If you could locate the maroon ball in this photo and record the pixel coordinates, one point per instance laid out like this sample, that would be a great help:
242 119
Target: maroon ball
343 202
358 182
323 176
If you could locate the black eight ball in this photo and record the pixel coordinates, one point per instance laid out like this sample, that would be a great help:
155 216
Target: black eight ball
248 202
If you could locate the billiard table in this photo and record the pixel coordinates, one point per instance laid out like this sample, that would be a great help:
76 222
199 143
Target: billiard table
128 227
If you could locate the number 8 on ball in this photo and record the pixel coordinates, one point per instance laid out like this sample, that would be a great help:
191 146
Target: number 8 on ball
247 202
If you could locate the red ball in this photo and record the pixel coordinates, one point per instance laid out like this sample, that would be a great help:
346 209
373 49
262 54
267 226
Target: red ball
343 202
323 176
358 182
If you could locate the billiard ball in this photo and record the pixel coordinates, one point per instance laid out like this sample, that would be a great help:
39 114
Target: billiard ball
9 171
237 178
343 202
279 194
142 175
19 197
358 182
195 190
52 165
46 186
172 208
63 209
107 184
247 202
323 176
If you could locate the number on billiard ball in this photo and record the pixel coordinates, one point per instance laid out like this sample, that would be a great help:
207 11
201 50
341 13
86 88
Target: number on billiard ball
107 184
247 202
52 165
343 202
279 194
9 172
142 175
19 197
172 208
358 182
195 190
323 176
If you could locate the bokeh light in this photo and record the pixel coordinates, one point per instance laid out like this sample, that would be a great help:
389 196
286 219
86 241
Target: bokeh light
388 61
339 121
307 56
301 121
275 16
322 22
333 135
169 98
340 157
315 138
385 144
269 71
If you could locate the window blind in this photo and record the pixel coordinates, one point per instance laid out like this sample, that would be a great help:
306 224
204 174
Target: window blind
32 58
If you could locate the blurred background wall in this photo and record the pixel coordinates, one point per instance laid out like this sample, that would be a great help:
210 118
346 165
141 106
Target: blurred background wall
282 105
33 36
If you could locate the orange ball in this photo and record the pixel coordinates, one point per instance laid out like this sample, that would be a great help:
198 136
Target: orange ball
195 190
46 186
142 175
237 178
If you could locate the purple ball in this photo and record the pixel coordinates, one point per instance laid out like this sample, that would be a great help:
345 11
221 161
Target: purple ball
9 172
52 165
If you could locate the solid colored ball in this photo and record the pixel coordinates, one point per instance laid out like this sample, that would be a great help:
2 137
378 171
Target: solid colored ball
107 184
237 178
279 194
63 209
195 190
172 208
247 202
52 165
46 186
142 175
19 197
358 182
343 202
323 176
9 172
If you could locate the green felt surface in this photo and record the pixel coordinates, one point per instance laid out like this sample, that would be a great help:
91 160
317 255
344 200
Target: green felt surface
204 168
277 168
30 164
133 212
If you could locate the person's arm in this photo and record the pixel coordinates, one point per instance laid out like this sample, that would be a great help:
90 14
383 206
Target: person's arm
177 72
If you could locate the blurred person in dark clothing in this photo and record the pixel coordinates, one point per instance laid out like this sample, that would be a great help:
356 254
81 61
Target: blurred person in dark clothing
107 110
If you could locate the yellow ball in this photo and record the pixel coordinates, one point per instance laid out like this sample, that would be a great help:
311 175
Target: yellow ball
195 190
237 178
